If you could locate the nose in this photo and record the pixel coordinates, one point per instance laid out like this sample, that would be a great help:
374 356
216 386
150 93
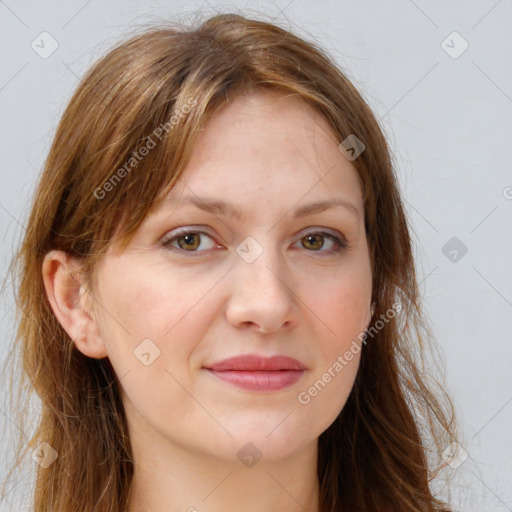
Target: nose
262 294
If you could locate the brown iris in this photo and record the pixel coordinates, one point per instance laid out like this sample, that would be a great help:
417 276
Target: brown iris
315 241
189 241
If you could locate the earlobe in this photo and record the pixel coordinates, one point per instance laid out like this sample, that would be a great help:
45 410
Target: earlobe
65 290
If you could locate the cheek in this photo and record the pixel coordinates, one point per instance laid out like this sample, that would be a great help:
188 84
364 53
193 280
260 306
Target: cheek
342 309
172 309
323 397
151 323
324 394
341 306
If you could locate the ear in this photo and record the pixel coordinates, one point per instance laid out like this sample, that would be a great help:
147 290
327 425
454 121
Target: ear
67 295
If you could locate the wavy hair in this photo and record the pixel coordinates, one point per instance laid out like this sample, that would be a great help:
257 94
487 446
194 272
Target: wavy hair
384 450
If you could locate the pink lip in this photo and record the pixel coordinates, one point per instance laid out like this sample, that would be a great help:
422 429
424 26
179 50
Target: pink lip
257 373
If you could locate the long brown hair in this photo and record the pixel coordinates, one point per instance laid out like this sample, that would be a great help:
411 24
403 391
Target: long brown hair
385 448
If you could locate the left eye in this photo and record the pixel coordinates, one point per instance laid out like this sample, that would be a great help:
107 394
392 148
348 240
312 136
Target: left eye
190 241
314 239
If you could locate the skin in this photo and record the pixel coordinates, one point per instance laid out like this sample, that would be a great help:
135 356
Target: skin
267 153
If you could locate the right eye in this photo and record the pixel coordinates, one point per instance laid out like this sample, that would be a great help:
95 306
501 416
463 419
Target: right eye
186 240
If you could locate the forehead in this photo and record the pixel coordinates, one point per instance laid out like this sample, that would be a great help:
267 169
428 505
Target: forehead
269 144
262 120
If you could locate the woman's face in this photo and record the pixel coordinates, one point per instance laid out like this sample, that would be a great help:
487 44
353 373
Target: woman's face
269 281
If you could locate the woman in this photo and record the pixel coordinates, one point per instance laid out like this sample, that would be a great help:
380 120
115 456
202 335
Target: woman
218 290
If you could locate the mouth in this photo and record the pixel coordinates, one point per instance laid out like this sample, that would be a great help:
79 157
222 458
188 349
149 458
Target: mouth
256 373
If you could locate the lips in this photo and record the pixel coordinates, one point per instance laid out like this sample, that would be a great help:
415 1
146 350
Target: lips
256 373
255 363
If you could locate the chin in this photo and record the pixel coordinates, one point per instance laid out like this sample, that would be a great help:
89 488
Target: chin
269 439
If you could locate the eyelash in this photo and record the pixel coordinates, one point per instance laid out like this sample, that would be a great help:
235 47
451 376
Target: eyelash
339 244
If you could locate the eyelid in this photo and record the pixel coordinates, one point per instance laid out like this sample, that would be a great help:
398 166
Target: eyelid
337 238
181 231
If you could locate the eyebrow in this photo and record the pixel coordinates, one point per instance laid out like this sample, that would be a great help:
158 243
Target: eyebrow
219 207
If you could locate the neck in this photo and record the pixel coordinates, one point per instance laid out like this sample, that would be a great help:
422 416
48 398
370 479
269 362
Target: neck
175 480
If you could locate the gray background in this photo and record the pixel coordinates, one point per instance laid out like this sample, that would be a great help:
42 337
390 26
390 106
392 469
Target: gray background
449 123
